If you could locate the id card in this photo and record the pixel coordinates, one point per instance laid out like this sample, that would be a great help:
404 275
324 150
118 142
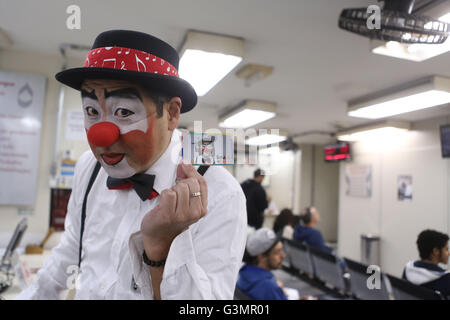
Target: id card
205 149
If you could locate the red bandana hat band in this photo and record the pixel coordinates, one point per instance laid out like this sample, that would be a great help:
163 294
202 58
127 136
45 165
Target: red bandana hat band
128 59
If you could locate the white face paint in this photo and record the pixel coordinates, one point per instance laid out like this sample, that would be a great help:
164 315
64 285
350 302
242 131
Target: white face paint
121 170
208 149
127 112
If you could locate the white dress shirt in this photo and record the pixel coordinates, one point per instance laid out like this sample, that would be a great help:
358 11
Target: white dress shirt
203 261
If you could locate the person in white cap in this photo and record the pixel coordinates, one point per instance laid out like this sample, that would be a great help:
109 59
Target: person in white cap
264 253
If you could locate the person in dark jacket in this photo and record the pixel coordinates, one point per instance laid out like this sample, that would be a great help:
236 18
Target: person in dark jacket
264 252
433 249
256 199
305 232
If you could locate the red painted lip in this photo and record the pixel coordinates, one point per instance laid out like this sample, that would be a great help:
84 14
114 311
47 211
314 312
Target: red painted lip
112 158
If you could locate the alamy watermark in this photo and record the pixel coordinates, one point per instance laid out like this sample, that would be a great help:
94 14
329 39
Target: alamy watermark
245 154
73 21
374 20
73 280
374 280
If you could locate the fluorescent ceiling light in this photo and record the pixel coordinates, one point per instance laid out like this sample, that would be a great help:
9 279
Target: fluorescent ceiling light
413 52
266 139
422 94
203 70
208 58
270 150
247 118
410 103
247 114
386 129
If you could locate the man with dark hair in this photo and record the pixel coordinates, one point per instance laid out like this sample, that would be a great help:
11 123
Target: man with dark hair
433 249
256 199
264 253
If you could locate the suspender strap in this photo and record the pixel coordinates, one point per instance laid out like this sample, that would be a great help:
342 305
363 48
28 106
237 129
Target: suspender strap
83 210
201 170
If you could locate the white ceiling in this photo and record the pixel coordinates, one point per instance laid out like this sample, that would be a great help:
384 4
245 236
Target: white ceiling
317 66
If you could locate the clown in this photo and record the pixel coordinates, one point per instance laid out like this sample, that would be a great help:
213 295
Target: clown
205 150
141 224
123 125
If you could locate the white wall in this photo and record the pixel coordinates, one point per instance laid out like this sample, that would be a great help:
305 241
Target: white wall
319 183
301 179
280 183
48 66
326 190
416 153
306 177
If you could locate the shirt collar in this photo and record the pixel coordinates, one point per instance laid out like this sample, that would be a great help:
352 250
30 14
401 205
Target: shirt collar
165 168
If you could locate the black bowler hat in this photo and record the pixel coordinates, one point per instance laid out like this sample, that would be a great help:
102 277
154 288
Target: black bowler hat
137 57
208 138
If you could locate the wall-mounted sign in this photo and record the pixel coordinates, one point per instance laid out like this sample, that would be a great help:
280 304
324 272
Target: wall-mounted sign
21 104
75 130
405 190
358 179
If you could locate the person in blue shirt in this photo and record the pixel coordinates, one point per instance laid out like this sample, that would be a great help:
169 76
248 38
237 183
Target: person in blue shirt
305 232
433 249
264 252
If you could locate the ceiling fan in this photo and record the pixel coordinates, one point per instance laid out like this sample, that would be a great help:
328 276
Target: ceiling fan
394 20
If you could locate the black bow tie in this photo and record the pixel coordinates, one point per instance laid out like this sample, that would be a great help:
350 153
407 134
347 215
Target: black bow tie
142 183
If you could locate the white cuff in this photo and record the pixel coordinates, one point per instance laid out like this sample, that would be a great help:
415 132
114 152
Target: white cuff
141 273
181 254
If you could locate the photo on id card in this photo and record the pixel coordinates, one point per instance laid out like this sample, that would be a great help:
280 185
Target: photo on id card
207 149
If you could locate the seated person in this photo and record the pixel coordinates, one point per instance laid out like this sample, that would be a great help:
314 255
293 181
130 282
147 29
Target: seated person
305 232
433 249
284 224
264 253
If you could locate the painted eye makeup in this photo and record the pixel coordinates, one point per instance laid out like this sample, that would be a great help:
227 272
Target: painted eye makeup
91 112
123 113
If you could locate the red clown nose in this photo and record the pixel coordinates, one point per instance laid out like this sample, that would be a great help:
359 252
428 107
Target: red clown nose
103 134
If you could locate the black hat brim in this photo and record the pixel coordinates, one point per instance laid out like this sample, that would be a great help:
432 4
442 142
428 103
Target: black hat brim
170 85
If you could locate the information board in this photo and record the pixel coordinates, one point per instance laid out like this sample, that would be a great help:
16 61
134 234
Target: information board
21 105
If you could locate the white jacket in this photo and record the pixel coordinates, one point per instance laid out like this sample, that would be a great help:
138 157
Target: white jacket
419 275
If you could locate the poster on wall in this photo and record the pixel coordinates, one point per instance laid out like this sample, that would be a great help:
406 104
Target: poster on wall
75 129
405 190
21 105
358 179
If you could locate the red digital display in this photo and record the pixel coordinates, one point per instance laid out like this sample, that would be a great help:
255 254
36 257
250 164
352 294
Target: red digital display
337 152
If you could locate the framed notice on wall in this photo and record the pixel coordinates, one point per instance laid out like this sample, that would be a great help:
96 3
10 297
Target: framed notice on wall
405 188
21 105
358 179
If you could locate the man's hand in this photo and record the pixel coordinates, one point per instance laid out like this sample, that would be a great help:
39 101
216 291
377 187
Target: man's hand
176 211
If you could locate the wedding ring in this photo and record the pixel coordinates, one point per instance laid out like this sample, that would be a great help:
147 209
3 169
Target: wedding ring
195 194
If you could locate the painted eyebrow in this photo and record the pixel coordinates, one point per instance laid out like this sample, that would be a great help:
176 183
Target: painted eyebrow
91 95
127 93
